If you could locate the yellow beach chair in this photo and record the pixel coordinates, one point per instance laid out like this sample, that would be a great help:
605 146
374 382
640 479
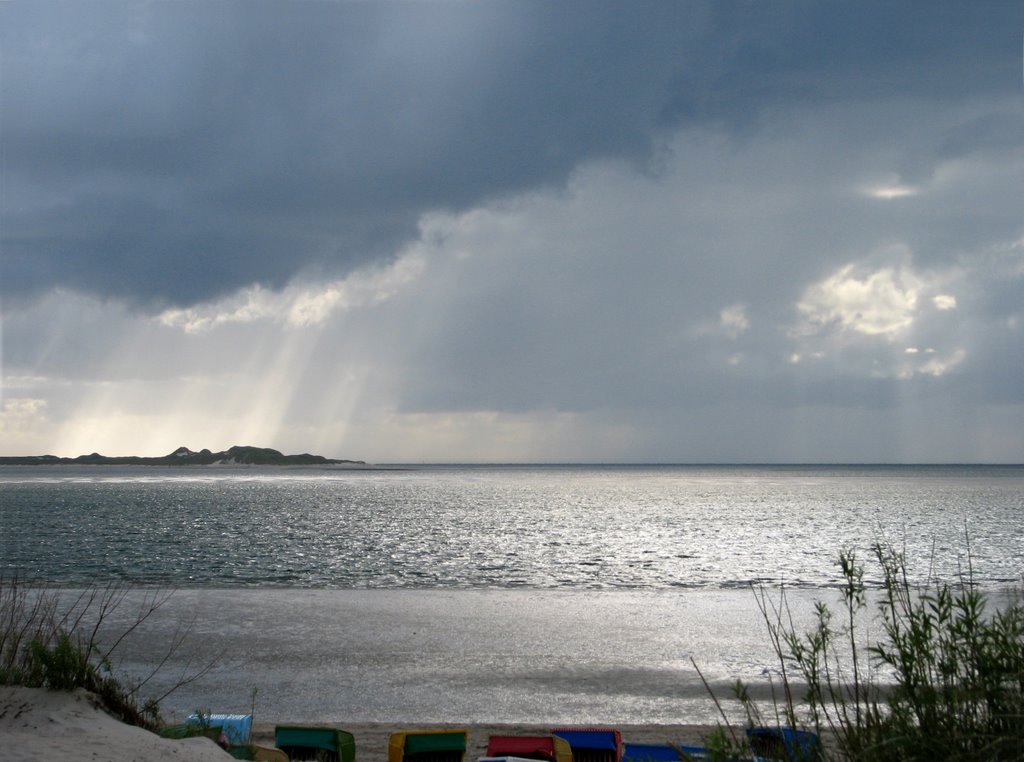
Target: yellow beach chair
268 754
428 746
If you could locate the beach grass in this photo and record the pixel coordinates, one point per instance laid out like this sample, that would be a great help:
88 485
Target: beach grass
62 640
944 681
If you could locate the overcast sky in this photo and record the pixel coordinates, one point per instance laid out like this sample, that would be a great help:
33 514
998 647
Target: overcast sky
517 231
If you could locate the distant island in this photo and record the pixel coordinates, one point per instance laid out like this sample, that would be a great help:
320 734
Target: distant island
233 456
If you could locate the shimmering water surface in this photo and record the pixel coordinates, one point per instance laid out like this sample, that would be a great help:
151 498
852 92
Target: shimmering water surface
460 594
541 527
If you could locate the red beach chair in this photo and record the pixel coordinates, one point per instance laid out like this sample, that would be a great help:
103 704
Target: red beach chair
545 748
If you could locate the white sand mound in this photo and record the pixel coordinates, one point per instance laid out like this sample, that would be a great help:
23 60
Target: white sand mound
37 725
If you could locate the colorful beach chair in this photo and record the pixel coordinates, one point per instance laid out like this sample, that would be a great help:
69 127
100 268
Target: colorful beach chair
766 745
546 748
783 744
428 746
235 728
267 754
650 752
592 744
309 742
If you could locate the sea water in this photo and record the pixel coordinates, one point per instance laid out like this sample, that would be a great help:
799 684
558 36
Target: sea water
464 594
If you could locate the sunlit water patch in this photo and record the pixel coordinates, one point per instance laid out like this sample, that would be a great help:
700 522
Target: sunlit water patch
645 528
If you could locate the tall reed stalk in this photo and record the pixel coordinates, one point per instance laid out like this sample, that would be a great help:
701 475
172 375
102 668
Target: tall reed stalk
63 641
945 681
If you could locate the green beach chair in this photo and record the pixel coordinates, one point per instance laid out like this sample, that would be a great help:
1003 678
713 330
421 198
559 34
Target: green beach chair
308 742
428 746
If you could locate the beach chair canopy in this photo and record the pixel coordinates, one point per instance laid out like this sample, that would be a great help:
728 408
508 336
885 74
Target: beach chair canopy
314 742
783 744
593 744
236 727
428 746
550 748
650 752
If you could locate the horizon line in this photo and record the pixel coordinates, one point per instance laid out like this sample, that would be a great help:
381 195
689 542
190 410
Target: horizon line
788 464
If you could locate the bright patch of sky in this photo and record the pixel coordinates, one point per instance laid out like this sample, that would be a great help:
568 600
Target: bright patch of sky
734 320
886 192
298 304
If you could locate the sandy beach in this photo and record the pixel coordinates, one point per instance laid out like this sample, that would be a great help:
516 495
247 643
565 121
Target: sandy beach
38 724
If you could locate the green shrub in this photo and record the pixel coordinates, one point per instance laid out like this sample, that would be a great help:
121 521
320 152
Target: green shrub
944 682
958 673
62 666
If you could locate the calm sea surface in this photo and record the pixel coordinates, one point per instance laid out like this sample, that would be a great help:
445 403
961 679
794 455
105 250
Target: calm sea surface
569 594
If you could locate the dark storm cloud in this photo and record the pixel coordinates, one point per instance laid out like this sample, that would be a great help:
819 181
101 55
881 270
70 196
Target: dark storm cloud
171 152
167 153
